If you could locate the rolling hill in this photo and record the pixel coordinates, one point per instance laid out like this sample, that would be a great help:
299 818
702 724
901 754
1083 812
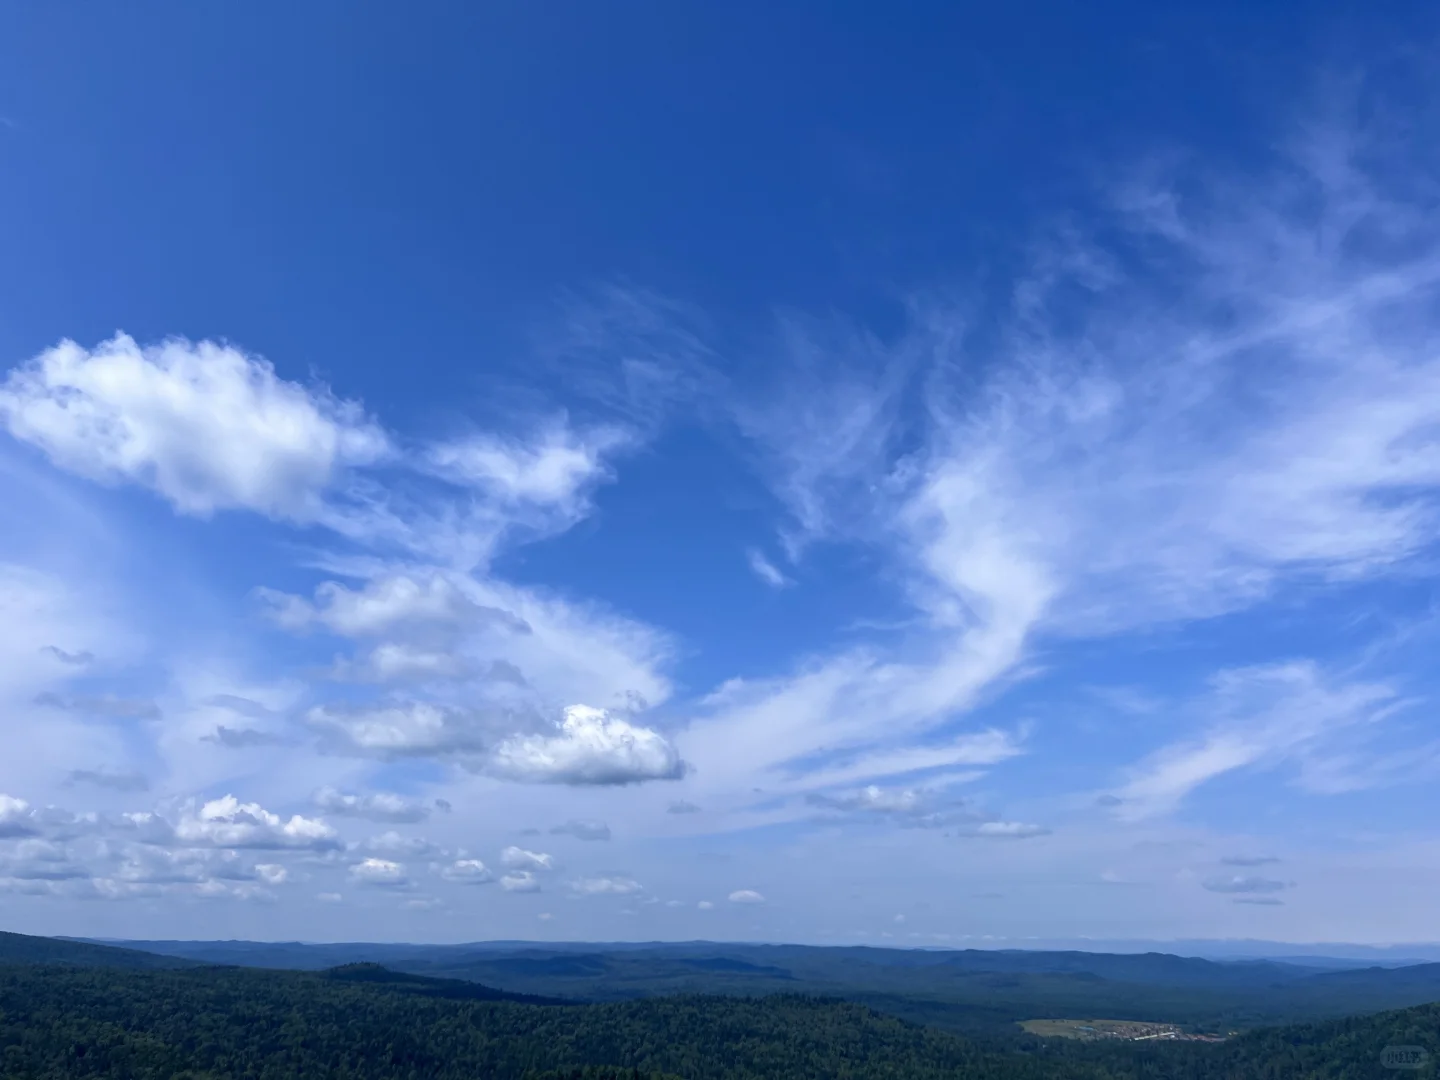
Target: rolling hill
365 1023
24 949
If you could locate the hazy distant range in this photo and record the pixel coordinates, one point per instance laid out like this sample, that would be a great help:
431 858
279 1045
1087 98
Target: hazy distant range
1322 954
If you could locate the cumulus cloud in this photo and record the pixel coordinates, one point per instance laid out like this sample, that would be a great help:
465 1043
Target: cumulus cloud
40 860
591 747
467 872
202 424
518 858
228 823
605 886
704 905
906 801
911 807
513 652
376 806
522 881
19 819
380 873
392 843
119 869
746 896
143 865
583 830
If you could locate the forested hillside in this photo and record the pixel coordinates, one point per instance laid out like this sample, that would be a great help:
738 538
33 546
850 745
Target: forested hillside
226 1022
361 1024
25 949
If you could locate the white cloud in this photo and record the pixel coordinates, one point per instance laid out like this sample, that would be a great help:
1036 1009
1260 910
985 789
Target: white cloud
16 817
704 905
605 886
746 896
878 800
583 830
855 708
379 872
522 881
1005 830
1257 716
556 467
395 661
204 425
41 860
518 858
144 865
229 823
19 819
923 808
377 806
765 570
977 749
114 868
392 843
1236 390
467 872
381 606
404 729
591 747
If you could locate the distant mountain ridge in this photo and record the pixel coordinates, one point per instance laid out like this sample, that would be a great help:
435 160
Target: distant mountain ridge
25 949
963 990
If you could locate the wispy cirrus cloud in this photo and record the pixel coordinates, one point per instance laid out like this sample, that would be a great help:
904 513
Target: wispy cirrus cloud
1225 388
766 570
1254 718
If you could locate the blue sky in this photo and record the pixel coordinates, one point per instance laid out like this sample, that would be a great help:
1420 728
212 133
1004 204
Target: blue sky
777 471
